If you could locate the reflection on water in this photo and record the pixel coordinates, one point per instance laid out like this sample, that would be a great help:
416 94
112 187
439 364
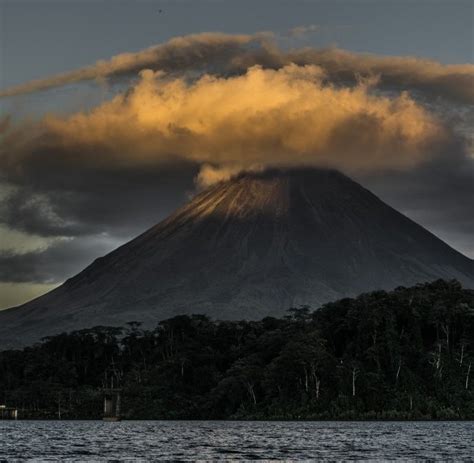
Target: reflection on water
232 440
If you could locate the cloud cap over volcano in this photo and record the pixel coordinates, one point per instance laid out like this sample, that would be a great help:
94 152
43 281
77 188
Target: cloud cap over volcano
202 108
264 117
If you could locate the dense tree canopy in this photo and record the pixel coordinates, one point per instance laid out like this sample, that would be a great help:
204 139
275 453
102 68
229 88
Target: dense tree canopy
401 354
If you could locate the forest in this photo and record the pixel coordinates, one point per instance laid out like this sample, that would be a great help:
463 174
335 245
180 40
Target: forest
403 354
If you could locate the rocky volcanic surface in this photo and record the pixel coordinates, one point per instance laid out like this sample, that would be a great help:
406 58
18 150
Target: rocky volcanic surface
253 246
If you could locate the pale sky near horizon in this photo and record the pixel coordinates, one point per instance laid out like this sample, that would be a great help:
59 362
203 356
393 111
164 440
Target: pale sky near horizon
40 38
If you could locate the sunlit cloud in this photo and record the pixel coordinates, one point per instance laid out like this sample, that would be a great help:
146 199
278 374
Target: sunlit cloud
263 117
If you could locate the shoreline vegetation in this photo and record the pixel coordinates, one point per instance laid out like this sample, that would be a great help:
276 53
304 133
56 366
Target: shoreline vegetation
403 355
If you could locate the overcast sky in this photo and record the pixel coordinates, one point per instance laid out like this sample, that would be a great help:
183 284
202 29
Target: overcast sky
92 153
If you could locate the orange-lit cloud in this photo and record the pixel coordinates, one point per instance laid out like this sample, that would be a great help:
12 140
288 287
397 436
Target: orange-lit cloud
264 117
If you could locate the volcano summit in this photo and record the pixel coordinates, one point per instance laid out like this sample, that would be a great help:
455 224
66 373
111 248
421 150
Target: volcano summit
247 248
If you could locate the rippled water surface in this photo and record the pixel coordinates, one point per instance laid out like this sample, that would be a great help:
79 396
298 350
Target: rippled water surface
231 440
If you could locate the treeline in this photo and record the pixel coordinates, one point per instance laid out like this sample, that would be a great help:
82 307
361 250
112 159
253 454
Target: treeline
405 354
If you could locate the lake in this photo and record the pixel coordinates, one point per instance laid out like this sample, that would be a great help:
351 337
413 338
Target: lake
234 440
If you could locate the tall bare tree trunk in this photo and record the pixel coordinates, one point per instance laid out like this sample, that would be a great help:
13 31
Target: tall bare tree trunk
467 376
445 329
461 359
438 357
251 393
398 371
355 373
306 380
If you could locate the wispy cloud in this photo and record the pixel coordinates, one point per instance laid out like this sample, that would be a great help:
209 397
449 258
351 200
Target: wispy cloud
179 54
223 54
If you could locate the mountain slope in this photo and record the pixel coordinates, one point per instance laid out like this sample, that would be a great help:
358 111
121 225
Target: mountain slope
250 247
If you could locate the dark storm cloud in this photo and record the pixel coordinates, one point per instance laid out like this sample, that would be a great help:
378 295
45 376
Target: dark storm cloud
37 213
53 199
96 210
60 261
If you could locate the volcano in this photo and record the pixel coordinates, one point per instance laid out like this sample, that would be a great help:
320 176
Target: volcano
247 248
